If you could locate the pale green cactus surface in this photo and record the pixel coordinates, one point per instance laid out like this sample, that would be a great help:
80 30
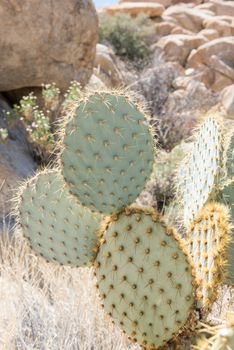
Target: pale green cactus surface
144 276
57 226
201 171
107 152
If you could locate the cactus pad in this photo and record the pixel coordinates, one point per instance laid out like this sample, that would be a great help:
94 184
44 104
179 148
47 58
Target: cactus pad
209 237
107 152
145 277
57 226
202 169
227 197
230 158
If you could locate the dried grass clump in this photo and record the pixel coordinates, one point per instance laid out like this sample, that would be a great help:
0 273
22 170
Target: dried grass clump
44 306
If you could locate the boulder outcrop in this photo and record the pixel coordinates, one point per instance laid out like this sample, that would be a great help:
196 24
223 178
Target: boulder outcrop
46 41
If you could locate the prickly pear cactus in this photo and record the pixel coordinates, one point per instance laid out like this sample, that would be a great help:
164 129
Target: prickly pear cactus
201 172
107 153
145 277
57 226
209 237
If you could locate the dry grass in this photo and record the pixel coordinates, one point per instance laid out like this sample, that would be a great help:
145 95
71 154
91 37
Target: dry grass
48 307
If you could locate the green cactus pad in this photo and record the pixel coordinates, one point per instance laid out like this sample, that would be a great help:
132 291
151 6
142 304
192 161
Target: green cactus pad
227 194
230 158
209 238
202 169
227 198
107 153
57 226
144 277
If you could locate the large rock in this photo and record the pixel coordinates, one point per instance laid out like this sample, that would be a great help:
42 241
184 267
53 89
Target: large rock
223 7
227 101
182 110
150 9
164 28
210 34
95 83
16 163
222 26
105 67
46 41
177 47
203 75
155 84
187 17
165 3
206 6
194 2
218 55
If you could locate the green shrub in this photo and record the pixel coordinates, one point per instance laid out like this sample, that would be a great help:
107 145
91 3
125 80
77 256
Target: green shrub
38 121
128 36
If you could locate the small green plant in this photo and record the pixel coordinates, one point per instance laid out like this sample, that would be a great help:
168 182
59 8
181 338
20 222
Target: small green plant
38 121
73 92
3 135
50 94
39 130
128 36
37 125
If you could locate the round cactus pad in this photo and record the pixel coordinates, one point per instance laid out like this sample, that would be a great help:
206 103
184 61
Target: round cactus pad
57 226
107 153
202 170
144 277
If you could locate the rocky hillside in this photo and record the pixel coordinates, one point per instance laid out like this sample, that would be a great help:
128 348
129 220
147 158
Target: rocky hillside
199 36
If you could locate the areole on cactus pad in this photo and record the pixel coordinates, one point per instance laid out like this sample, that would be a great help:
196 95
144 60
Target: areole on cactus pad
107 151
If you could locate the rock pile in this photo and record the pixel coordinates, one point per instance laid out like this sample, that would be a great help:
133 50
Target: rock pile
198 36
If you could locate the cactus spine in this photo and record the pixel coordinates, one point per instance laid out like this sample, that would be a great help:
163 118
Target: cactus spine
200 174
